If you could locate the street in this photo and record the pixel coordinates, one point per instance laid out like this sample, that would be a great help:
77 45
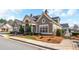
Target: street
9 44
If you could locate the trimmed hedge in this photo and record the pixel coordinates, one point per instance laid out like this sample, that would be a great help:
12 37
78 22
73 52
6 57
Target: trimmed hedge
74 34
59 32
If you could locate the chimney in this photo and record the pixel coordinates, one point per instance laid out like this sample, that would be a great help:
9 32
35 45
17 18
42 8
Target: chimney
46 11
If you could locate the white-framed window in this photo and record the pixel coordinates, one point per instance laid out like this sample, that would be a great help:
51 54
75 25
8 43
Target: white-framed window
43 28
43 20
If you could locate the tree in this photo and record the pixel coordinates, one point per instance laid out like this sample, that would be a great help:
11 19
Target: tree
21 29
3 20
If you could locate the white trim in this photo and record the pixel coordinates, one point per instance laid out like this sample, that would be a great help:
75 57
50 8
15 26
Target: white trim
32 28
36 28
46 33
43 20
39 18
26 19
49 19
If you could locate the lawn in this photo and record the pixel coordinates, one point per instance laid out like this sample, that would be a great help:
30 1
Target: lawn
27 37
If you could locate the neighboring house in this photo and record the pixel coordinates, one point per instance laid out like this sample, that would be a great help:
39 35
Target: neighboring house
1 24
10 26
43 23
66 29
75 29
6 27
16 25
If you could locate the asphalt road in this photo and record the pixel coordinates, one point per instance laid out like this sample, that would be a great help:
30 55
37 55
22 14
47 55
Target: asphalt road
9 44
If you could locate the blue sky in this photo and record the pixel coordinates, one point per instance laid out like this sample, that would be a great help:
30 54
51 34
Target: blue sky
70 16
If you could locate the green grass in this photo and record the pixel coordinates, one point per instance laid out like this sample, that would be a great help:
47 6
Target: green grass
27 37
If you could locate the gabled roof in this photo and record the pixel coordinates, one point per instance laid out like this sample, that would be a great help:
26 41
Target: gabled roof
35 19
65 25
1 24
31 19
48 18
17 22
6 25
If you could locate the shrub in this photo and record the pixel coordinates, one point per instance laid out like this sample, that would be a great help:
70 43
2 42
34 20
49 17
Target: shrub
59 32
62 32
12 32
21 29
75 34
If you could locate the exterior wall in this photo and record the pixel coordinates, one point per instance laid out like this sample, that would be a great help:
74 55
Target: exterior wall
16 29
6 28
34 28
54 28
10 29
47 22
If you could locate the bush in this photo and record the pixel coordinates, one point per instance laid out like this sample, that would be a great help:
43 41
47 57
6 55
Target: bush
21 29
12 32
59 32
75 34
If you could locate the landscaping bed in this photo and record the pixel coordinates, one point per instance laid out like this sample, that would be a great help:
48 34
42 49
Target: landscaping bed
75 37
49 39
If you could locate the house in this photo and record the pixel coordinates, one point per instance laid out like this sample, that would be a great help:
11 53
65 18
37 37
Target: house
75 29
16 25
66 29
43 23
5 27
1 24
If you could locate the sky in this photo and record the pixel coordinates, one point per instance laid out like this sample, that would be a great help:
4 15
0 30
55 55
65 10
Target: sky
70 16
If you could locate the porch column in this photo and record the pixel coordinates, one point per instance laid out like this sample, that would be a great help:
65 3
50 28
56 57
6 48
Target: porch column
32 28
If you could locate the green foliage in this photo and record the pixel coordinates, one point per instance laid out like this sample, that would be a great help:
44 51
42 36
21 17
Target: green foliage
3 20
30 28
59 32
21 29
74 34
63 32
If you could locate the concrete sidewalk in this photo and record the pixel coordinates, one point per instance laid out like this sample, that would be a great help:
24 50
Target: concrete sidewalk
66 44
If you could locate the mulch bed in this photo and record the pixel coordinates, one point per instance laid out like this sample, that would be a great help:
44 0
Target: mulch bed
49 39
75 37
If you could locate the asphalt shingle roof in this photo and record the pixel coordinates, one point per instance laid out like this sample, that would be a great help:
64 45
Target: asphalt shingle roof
65 25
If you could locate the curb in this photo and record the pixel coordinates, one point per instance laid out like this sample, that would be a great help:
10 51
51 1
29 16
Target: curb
44 47
35 44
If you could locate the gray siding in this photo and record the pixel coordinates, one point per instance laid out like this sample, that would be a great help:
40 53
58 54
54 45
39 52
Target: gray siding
47 21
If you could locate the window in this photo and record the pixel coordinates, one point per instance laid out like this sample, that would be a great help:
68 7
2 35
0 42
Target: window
43 20
43 29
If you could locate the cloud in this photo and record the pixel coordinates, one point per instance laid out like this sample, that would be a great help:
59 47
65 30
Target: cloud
55 12
61 12
11 17
8 13
66 15
71 22
15 10
71 12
